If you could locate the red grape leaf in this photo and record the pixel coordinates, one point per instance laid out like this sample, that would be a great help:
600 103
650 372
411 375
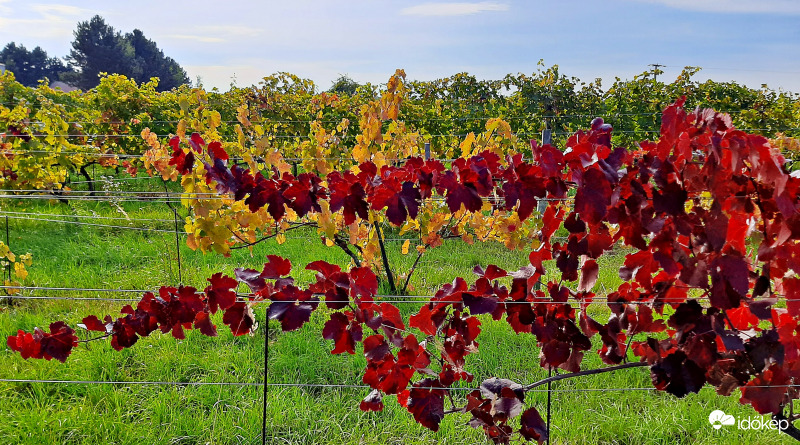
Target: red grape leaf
276 267
92 323
25 344
202 321
372 402
251 277
678 375
426 404
729 283
593 196
216 151
532 426
220 293
336 329
766 391
239 318
422 320
376 348
58 343
589 273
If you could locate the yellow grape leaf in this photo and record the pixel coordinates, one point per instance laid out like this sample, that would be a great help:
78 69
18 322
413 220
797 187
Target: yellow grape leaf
325 220
19 271
405 247
27 259
275 158
421 249
184 104
241 115
280 238
466 145
500 126
379 160
215 119
188 184
181 131
408 226
240 136
361 153
11 285
191 242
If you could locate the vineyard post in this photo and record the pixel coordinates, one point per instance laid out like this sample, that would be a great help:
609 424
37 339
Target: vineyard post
541 205
549 394
656 67
8 244
427 151
177 245
266 371
177 238
547 139
547 136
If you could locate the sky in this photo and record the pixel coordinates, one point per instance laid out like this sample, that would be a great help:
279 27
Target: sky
753 42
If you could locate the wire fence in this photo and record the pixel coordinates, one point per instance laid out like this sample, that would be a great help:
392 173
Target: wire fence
603 115
305 136
46 293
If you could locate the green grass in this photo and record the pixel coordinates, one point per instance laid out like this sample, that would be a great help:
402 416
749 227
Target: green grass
94 257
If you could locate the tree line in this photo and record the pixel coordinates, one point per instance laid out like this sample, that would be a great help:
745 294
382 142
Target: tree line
97 47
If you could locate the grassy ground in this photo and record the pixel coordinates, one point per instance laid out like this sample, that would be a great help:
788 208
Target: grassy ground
587 410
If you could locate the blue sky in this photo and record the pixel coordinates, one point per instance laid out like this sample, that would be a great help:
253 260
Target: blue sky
749 41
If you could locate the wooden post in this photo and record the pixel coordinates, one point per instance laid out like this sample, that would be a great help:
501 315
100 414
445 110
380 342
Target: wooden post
427 151
547 135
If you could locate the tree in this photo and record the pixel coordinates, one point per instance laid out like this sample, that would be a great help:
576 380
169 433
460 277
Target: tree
29 67
149 61
98 47
344 85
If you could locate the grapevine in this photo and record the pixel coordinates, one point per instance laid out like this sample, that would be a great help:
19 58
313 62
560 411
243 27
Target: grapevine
709 293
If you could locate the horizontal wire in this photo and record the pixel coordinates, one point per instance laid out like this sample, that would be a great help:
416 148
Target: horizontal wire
120 192
334 385
73 289
112 180
36 217
305 136
80 223
438 119
378 298
64 215
154 199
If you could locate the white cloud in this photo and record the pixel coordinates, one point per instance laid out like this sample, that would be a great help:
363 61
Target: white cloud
451 9
217 33
56 10
735 6
195 38
49 21
233 30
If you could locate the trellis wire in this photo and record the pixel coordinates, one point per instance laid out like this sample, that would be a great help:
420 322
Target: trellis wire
80 223
64 215
331 121
299 136
407 299
332 385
